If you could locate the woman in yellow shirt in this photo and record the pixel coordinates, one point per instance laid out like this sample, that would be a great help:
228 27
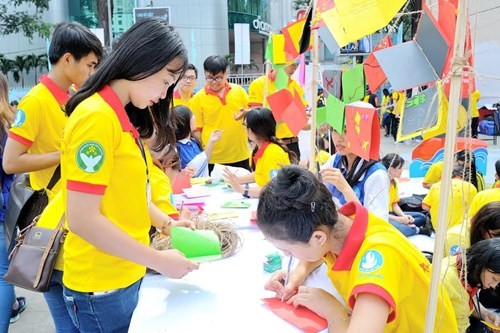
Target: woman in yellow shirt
269 154
106 177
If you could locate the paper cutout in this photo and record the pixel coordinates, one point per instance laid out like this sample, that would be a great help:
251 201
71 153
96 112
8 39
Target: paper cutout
426 54
362 132
353 84
320 115
336 113
292 33
321 7
301 317
351 20
181 182
332 80
275 50
196 192
305 39
196 245
295 116
281 81
288 109
375 76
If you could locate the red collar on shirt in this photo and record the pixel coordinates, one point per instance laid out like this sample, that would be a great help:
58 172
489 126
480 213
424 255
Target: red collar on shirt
112 99
209 91
472 291
354 238
60 95
258 154
177 94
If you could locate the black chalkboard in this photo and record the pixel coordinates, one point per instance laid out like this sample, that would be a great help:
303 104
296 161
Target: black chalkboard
420 112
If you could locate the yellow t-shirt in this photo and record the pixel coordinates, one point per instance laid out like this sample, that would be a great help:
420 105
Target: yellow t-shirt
377 259
256 97
39 125
101 156
457 238
269 159
393 194
178 99
398 99
161 191
456 292
483 198
434 173
213 112
461 195
474 98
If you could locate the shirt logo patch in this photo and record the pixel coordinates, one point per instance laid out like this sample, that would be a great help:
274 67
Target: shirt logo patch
371 261
90 156
454 250
20 118
273 173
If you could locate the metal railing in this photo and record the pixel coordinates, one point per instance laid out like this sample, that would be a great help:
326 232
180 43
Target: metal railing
243 79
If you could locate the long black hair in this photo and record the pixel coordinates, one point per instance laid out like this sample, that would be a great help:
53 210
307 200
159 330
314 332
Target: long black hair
484 221
469 173
261 122
143 50
484 255
392 160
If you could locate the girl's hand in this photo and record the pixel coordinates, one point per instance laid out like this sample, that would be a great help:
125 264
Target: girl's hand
186 223
215 136
277 284
320 302
334 176
173 264
241 114
189 171
232 180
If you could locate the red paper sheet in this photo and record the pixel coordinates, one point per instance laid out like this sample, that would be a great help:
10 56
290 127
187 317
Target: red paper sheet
278 102
182 182
362 132
295 115
301 317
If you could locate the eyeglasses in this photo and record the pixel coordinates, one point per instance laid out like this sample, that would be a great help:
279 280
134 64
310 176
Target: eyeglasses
188 78
217 79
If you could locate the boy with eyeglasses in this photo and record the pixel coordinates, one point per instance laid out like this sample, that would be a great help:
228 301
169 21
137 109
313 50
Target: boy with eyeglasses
219 106
186 85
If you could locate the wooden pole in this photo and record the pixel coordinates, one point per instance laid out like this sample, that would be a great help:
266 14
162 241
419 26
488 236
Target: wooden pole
449 149
314 88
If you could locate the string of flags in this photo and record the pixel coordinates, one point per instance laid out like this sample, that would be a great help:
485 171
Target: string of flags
424 60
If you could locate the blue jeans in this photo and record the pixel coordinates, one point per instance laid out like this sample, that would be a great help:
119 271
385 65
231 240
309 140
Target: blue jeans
406 230
55 301
111 312
7 294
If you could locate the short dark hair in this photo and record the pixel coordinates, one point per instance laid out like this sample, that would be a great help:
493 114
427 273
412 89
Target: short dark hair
480 256
73 38
215 64
294 204
497 168
487 218
469 173
392 160
191 66
143 50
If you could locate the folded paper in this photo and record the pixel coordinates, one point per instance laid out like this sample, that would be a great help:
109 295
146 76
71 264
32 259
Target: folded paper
181 182
353 84
196 245
289 109
335 115
362 132
375 76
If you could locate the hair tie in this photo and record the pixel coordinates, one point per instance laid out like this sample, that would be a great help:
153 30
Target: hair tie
313 206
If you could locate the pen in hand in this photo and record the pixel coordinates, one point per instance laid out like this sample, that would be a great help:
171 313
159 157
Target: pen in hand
287 275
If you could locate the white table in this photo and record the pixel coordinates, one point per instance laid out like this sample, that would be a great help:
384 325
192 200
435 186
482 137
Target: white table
221 296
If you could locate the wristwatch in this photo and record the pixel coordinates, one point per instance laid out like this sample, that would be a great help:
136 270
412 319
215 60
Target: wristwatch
245 192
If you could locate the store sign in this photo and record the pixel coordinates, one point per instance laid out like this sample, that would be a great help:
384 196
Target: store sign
255 22
262 27
147 12
362 45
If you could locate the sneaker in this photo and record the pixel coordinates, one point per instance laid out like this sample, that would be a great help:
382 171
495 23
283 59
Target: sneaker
425 231
21 306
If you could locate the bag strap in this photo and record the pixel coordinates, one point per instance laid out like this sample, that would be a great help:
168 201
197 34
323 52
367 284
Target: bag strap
55 178
47 251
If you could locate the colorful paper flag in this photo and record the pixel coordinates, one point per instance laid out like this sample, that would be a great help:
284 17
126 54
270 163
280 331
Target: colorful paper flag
289 109
281 81
336 113
275 50
320 115
375 76
351 20
362 132
292 33
353 84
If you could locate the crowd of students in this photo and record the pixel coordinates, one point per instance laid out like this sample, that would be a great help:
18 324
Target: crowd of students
120 125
